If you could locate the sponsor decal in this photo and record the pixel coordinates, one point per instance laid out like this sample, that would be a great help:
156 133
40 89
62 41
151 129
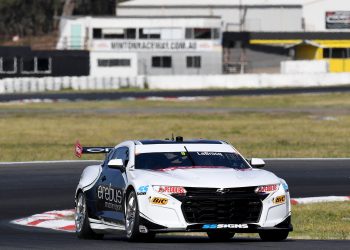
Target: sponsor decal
279 199
78 149
267 188
337 19
142 190
143 229
159 201
224 226
210 153
171 190
222 190
285 187
112 197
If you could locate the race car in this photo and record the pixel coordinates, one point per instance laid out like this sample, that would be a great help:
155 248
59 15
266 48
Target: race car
145 187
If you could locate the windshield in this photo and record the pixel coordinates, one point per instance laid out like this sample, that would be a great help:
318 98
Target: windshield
165 160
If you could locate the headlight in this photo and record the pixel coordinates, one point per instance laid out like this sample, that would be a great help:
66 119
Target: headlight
267 189
170 190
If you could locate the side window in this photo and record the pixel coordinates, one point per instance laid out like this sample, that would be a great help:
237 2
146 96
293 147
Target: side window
123 153
109 156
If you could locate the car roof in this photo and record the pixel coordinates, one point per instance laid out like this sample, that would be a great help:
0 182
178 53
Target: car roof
193 141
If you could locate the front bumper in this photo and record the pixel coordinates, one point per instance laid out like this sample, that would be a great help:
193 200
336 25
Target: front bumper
285 225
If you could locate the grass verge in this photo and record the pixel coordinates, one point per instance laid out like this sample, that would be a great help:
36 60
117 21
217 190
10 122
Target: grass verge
47 131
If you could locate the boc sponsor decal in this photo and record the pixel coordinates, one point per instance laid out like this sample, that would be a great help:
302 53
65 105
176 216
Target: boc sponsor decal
142 190
111 197
279 199
159 201
224 226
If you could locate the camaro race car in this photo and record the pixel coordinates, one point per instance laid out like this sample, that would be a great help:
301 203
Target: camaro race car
144 187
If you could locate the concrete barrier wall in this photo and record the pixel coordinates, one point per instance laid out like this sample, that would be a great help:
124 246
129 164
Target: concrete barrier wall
304 66
25 85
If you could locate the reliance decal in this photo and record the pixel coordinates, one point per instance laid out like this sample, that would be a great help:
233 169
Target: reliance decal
112 197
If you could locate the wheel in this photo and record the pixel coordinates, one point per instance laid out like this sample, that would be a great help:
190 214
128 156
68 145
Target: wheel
132 220
220 236
273 235
82 225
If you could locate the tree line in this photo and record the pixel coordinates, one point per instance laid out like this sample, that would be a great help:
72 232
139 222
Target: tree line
38 17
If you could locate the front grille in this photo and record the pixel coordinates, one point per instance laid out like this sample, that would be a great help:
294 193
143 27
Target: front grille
233 205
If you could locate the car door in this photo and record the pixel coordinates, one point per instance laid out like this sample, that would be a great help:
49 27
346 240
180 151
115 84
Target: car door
111 187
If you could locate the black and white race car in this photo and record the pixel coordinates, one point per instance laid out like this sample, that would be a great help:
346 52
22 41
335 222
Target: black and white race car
145 187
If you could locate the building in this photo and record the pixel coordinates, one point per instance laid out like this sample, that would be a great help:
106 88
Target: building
145 45
24 62
236 15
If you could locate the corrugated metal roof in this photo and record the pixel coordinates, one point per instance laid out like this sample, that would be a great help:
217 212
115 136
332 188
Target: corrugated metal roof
211 2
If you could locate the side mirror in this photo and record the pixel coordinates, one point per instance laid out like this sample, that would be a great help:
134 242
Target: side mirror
116 163
257 163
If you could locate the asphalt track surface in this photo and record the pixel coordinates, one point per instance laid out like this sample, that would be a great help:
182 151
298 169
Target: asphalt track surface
114 95
30 188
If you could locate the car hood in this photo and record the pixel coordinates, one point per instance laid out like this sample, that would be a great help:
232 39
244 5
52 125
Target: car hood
205 177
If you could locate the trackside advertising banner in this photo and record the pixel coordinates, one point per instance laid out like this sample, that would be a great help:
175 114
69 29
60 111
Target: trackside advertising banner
338 20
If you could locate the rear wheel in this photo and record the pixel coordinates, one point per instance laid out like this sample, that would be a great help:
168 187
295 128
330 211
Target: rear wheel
273 235
220 236
132 220
82 225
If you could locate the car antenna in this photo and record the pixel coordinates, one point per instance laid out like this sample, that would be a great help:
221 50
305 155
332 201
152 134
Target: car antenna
190 157
172 136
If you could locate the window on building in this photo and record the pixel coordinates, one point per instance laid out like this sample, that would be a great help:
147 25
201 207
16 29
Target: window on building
193 61
336 53
114 33
28 65
43 64
202 33
96 33
130 33
113 62
8 65
36 65
161 61
149 33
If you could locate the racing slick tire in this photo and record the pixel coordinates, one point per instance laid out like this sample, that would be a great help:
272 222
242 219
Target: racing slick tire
132 220
82 225
220 236
273 235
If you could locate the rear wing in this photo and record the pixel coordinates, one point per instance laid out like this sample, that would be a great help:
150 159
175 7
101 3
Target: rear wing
79 150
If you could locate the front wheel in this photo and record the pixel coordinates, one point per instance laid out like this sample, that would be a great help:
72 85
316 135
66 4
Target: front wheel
82 225
220 236
273 235
132 220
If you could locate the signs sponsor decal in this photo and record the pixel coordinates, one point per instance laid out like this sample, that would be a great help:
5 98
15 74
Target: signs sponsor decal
224 226
111 197
279 199
338 20
210 153
142 190
159 201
